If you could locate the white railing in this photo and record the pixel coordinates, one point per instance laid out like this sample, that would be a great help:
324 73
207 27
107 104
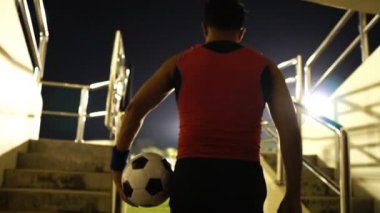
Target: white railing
117 89
361 39
82 113
37 50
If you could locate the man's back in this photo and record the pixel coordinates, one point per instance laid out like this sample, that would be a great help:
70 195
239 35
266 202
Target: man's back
220 101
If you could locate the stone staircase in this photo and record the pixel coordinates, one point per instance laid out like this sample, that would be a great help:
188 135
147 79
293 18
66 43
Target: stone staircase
316 195
59 176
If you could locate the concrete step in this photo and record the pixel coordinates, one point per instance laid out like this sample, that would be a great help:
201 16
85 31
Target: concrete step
315 187
330 172
271 159
45 179
62 161
330 204
61 146
314 160
310 184
37 200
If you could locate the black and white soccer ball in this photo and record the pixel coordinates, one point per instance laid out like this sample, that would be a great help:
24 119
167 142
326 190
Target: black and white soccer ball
146 179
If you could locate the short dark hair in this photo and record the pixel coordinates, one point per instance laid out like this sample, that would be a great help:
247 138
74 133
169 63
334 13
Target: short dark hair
225 15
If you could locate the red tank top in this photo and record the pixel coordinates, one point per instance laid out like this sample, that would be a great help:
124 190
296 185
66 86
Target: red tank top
220 104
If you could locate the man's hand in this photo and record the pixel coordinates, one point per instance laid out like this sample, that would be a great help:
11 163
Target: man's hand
117 180
290 204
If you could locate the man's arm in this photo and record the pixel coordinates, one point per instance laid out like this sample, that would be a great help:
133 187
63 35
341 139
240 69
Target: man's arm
283 113
150 95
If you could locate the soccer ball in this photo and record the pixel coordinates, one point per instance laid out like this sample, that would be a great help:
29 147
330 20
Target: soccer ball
146 179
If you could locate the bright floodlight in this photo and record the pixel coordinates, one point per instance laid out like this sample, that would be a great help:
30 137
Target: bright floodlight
319 104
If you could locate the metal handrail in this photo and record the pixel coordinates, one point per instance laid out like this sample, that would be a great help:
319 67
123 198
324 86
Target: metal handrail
286 64
82 114
117 90
298 78
37 53
64 85
323 46
330 37
91 87
43 32
117 87
362 38
344 159
322 176
27 26
346 52
60 113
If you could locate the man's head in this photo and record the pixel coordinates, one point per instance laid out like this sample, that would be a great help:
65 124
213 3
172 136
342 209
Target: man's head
225 16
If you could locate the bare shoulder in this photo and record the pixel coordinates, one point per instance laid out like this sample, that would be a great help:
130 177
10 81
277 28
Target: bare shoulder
268 63
170 63
272 65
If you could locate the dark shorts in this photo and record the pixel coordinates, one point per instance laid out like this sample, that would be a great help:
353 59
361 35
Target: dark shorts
211 185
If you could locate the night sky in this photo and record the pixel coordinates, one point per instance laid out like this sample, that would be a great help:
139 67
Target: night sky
82 34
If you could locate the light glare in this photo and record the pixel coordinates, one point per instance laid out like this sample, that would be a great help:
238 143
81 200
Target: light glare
320 104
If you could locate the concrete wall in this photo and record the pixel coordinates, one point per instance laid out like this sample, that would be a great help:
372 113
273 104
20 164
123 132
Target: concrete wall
20 96
368 6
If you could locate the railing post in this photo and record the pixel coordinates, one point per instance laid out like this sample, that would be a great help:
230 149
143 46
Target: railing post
43 32
82 111
338 163
300 79
338 146
345 174
299 86
280 166
363 36
307 73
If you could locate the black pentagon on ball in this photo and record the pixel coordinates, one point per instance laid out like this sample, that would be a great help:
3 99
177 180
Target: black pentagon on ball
154 186
167 165
127 189
139 163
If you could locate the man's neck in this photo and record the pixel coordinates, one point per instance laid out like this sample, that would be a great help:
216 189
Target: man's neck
221 38
217 35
